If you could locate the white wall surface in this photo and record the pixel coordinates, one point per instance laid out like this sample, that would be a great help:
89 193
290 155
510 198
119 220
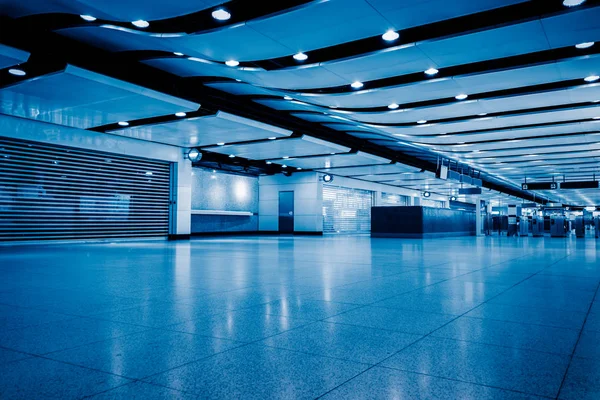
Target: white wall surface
308 201
25 129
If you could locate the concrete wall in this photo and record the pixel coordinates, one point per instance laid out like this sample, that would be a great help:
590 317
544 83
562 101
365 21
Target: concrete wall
25 129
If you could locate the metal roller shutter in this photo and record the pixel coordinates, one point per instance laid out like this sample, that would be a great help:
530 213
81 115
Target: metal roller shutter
60 193
346 210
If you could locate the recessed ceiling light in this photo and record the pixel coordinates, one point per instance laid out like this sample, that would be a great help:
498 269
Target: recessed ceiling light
357 85
482 114
238 80
88 18
596 118
284 166
232 63
584 45
231 156
299 169
591 78
221 144
431 71
180 114
178 53
285 157
393 106
422 121
272 138
390 35
123 123
17 72
269 163
221 15
287 98
300 56
140 23
461 96
573 3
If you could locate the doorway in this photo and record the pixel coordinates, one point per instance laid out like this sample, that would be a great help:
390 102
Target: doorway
286 212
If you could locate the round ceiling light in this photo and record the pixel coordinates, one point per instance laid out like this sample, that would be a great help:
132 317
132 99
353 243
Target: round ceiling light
123 123
232 63
178 53
573 3
422 121
221 15
17 72
357 85
393 106
180 114
584 45
390 36
591 78
140 23
300 56
88 18
287 98
431 71
461 96
327 178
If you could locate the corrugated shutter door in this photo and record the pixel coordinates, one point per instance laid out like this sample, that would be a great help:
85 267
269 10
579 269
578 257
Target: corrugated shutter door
346 210
55 192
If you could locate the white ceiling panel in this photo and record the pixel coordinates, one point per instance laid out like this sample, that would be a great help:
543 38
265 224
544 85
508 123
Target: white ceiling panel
241 88
371 170
488 44
9 56
292 147
333 161
409 13
92 100
287 105
330 23
204 131
572 28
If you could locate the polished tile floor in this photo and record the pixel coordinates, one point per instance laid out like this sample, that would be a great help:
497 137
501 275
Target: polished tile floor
301 318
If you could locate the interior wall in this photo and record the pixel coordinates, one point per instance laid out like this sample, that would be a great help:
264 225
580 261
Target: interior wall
25 129
308 201
223 193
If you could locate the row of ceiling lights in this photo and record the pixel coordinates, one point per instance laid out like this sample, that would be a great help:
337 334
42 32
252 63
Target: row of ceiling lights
179 114
219 14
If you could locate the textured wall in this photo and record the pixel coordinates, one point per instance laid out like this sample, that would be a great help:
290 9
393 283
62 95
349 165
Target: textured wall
223 192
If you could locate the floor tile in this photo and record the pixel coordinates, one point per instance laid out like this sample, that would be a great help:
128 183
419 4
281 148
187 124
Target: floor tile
12 317
582 381
245 326
384 383
527 315
301 308
39 378
589 345
431 303
512 369
592 322
260 372
10 355
159 350
349 342
511 334
54 336
407 321
143 391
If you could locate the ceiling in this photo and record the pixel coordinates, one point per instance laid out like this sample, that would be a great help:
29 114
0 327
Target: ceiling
289 83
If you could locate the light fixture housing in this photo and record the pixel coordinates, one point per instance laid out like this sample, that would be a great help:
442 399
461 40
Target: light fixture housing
272 138
461 96
453 198
140 23
426 194
390 35
573 3
194 155
393 106
178 53
431 71
123 123
180 114
88 18
287 98
17 72
220 144
232 156
422 121
300 56
232 63
584 45
591 78
357 84
327 178
221 14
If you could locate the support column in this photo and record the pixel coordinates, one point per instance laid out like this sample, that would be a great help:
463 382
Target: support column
478 219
